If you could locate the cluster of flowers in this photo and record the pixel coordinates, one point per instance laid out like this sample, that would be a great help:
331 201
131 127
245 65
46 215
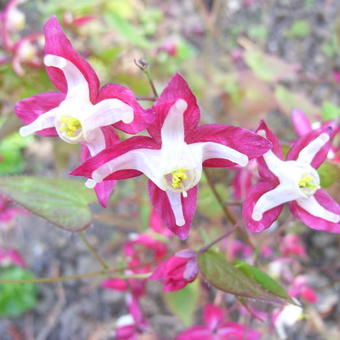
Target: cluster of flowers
176 149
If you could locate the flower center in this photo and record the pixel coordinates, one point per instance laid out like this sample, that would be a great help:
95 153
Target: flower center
178 176
308 185
181 180
70 126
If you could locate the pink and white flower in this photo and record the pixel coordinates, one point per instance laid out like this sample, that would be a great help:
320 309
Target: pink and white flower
173 157
295 181
81 112
10 257
216 328
177 271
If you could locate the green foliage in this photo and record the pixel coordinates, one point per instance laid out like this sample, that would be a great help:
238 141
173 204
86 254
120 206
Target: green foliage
329 174
183 303
16 298
130 32
230 279
330 111
63 202
11 159
264 280
299 29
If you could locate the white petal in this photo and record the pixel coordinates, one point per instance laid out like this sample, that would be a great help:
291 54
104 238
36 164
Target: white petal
90 183
273 198
311 205
95 141
77 85
215 150
44 121
308 153
108 112
173 127
176 206
277 166
144 160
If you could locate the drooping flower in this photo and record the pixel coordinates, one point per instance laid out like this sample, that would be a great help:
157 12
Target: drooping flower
177 271
172 158
9 257
295 181
216 328
132 325
291 245
302 289
140 251
303 126
8 211
81 112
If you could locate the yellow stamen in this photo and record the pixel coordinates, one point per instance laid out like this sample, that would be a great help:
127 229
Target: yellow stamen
69 125
307 182
178 176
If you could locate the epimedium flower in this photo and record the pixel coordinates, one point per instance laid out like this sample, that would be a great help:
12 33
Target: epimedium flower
216 328
177 271
173 157
81 112
295 181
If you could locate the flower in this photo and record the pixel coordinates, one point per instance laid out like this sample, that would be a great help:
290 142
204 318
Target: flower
172 158
215 328
138 251
292 244
302 126
81 112
177 271
132 325
295 181
10 257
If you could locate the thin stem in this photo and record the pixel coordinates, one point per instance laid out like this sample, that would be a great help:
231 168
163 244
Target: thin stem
78 277
150 99
93 251
143 66
226 234
218 197
242 233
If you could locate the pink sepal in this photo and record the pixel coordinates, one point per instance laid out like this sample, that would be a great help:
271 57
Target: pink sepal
57 43
248 206
137 142
115 284
212 316
303 141
162 207
29 109
177 88
197 333
103 189
242 140
236 331
315 222
300 122
157 224
276 149
142 118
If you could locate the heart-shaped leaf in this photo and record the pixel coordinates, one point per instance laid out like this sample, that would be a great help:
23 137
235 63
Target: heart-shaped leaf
228 278
63 202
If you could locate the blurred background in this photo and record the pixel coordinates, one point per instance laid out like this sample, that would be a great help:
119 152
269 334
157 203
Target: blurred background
244 59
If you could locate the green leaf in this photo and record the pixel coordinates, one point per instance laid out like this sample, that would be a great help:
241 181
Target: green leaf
16 298
226 277
63 202
125 29
330 111
183 303
299 29
289 100
329 174
11 159
263 279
